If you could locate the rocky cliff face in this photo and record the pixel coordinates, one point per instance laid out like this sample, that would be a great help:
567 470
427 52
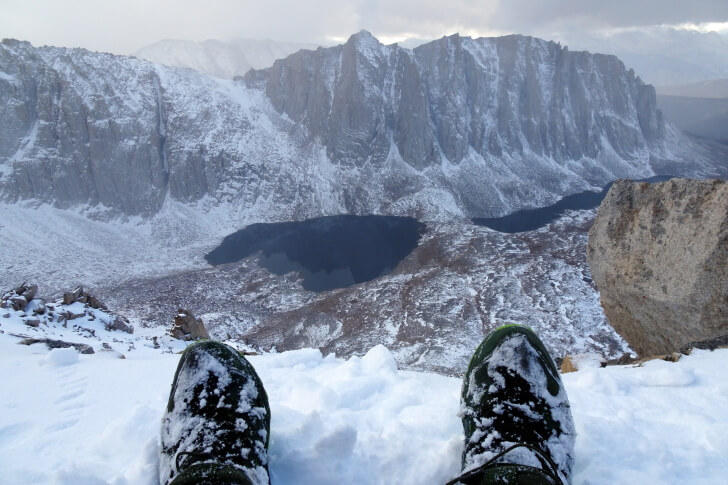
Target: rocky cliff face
80 128
454 128
501 120
442 101
118 136
659 257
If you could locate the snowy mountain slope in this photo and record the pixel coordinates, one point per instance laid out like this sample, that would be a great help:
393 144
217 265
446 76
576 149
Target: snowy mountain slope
497 96
121 135
457 127
96 418
223 59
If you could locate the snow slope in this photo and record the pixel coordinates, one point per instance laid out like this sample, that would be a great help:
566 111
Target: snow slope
94 419
223 59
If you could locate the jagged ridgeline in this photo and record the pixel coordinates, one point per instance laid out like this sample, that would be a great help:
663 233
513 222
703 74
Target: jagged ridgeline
457 127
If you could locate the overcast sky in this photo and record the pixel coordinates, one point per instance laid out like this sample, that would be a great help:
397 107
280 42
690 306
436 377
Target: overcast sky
123 26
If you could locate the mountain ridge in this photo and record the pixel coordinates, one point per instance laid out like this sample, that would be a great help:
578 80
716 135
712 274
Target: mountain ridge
454 128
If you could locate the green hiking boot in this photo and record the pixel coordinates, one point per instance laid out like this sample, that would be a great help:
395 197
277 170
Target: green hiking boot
217 423
516 416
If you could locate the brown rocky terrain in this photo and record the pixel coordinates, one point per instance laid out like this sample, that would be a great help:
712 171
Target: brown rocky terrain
461 282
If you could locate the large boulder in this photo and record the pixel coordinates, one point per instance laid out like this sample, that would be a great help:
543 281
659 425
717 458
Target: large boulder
658 254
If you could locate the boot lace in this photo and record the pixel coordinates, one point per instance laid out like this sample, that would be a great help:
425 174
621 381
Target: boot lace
551 470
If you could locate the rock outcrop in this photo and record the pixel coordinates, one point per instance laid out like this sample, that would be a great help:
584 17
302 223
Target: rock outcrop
187 327
59 344
658 254
82 296
18 298
23 302
112 322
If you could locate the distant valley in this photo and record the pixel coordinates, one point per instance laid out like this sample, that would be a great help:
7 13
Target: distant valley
700 109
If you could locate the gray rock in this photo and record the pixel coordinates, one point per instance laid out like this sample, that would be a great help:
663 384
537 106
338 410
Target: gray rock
39 307
18 302
73 316
30 292
119 323
76 142
18 298
187 327
32 322
72 296
658 254
82 296
94 302
58 344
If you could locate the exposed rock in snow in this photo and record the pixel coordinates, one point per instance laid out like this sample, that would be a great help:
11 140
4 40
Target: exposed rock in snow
187 327
58 344
119 322
82 296
18 298
75 310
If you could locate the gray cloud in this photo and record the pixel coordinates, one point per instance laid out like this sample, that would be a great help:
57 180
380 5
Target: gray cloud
124 26
610 13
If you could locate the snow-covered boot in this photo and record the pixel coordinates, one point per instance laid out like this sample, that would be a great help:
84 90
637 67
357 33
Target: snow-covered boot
516 416
217 423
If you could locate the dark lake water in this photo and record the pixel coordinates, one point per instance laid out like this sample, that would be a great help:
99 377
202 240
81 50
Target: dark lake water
328 252
531 219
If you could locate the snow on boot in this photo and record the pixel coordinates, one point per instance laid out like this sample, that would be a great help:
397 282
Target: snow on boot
516 416
217 423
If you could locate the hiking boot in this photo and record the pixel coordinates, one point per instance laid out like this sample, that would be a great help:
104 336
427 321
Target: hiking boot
516 416
217 423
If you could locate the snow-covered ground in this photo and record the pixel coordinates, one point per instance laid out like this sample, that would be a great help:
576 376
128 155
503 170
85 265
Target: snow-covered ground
67 418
